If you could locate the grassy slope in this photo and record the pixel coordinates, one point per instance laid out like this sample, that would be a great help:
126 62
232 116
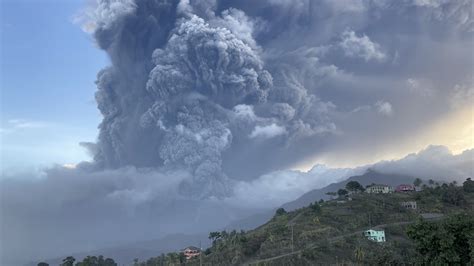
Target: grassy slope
333 234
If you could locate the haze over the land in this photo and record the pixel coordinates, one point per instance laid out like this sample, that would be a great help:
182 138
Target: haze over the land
206 106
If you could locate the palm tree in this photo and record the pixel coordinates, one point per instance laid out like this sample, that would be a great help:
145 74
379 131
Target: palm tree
68 261
359 254
417 182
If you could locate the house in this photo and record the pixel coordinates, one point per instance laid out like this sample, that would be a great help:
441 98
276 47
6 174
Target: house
191 252
409 204
404 188
374 235
379 189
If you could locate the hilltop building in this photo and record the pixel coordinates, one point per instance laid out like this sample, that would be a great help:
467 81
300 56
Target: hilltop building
377 188
405 188
409 204
374 235
191 252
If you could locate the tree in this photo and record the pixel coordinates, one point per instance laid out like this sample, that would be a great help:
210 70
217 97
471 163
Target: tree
214 236
315 207
431 182
43 264
99 261
359 254
354 186
109 262
468 185
342 192
68 261
332 194
417 182
452 195
280 211
446 242
89 261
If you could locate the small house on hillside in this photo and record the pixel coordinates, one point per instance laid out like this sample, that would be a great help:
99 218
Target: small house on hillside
409 204
375 235
405 188
191 252
378 188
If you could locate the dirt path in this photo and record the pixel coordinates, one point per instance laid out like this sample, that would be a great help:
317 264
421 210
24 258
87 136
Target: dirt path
292 221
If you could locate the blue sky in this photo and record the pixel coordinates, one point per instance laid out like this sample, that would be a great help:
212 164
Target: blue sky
48 69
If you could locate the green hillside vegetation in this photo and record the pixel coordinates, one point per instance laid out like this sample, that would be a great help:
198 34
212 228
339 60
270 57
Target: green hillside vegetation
331 232
439 231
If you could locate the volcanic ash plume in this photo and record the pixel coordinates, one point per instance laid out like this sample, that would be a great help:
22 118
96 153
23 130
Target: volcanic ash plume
183 91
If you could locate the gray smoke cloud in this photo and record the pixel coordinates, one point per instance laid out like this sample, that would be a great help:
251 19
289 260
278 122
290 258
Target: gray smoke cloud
175 92
214 86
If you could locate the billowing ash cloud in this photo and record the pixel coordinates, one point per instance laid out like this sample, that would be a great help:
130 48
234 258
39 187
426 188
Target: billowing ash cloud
215 86
207 103
177 84
198 77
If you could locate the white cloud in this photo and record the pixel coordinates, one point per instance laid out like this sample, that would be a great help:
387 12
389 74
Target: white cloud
429 3
436 162
420 87
245 111
267 132
360 47
385 108
13 125
381 107
276 188
21 123
279 187
100 13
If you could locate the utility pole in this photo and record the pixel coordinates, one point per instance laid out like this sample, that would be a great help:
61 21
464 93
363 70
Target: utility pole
292 240
200 253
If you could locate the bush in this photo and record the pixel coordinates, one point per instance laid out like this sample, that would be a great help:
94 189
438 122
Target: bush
342 192
253 244
354 186
315 207
446 242
468 186
280 211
